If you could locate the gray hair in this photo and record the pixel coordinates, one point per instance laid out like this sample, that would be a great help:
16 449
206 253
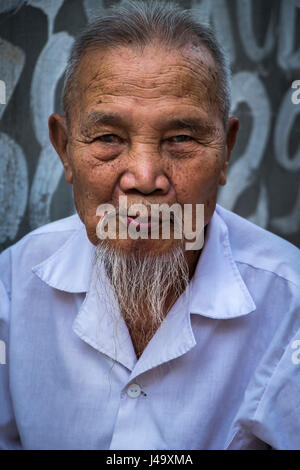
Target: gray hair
140 23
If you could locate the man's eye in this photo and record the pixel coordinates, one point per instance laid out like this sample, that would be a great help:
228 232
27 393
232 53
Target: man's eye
178 139
110 139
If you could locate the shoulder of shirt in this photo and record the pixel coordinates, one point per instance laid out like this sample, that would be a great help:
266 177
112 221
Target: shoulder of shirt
261 249
61 227
38 244
67 224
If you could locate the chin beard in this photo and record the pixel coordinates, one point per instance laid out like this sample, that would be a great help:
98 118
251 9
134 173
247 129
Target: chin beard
145 285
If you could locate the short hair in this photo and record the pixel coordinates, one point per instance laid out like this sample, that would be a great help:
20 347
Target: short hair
139 23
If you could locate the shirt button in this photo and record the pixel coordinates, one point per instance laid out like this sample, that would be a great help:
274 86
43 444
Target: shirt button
134 390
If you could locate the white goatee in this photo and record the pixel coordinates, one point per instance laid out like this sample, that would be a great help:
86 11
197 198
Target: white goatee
142 283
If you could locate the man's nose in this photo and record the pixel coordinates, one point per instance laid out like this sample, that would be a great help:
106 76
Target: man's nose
145 174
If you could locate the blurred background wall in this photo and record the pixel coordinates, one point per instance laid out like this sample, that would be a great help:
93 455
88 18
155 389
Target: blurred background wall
262 39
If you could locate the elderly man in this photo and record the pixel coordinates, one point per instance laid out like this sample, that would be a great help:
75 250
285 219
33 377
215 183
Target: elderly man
140 343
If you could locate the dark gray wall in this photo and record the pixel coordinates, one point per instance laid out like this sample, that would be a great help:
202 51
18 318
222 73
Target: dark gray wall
262 38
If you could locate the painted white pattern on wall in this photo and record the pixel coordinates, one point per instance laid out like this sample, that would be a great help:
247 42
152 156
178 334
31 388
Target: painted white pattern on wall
93 8
47 73
13 187
50 8
284 125
247 88
13 167
9 5
288 57
11 65
216 14
246 20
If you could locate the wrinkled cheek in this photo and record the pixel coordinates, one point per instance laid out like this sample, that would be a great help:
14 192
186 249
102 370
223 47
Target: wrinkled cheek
209 207
87 198
203 191
81 199
210 199
198 217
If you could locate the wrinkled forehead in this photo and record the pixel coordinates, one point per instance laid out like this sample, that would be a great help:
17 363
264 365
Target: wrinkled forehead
154 73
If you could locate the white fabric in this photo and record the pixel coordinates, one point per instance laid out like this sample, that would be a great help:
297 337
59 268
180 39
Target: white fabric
221 372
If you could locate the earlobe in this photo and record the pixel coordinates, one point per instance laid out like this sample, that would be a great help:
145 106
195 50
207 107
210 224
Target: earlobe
231 135
59 138
223 179
232 132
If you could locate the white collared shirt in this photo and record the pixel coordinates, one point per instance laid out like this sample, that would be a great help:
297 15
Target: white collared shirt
222 371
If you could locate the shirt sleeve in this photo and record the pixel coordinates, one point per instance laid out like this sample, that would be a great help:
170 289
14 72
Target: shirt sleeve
277 417
9 437
271 408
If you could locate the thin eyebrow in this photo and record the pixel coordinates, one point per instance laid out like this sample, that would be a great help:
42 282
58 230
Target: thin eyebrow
98 118
190 124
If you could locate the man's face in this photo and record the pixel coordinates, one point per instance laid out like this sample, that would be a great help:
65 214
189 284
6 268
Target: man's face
145 125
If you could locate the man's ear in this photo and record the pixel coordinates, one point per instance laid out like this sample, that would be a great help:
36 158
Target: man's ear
58 134
231 135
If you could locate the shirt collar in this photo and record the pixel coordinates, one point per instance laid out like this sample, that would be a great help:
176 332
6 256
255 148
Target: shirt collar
70 267
216 291
217 288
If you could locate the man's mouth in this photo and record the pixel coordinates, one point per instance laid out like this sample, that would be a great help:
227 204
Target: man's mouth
143 222
146 221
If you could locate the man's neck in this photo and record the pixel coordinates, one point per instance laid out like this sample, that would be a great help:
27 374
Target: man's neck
142 330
